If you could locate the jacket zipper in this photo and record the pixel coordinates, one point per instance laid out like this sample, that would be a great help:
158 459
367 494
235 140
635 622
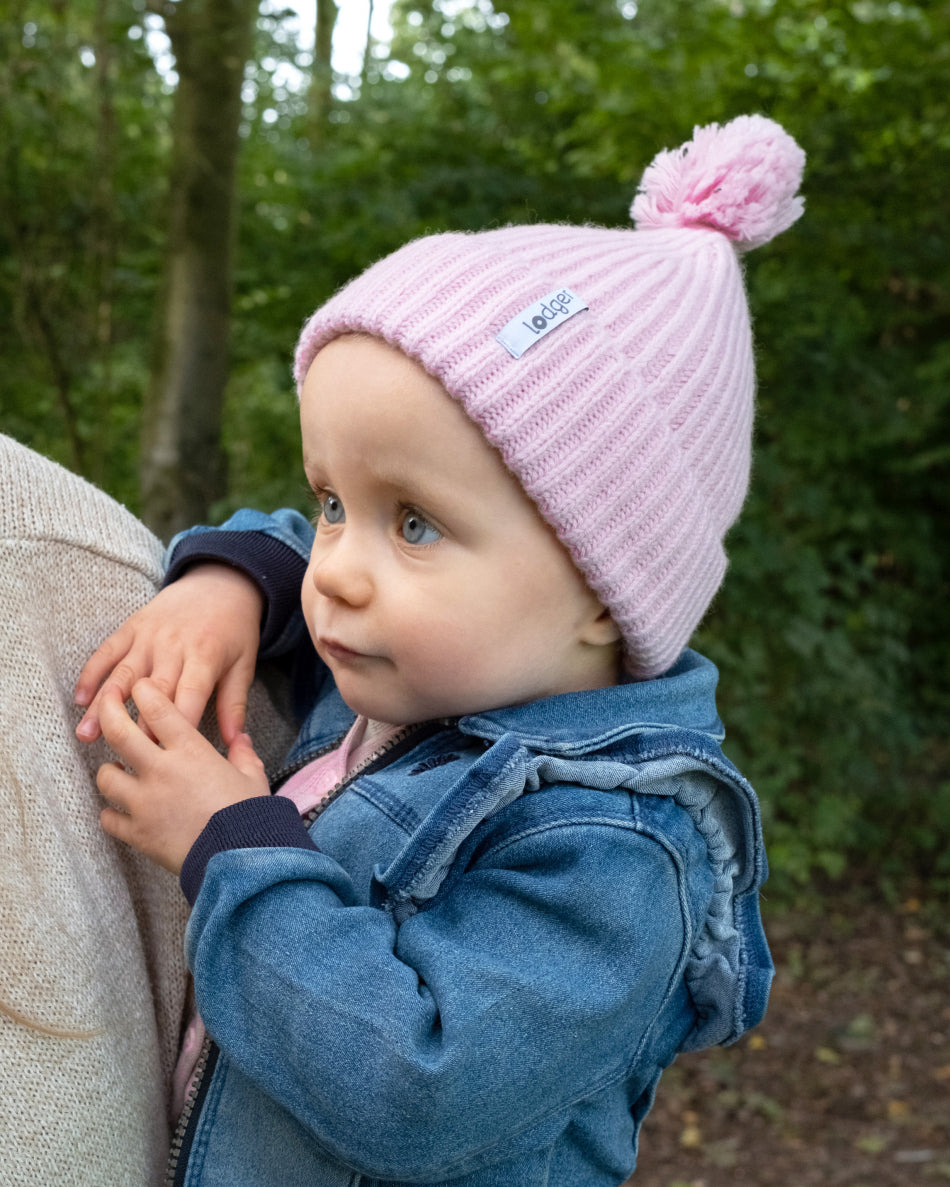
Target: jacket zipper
184 1135
408 736
208 1056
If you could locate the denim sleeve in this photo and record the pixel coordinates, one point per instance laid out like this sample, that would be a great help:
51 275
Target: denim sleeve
412 1050
272 550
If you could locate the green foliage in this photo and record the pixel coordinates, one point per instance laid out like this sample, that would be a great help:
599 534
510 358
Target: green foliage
82 130
832 631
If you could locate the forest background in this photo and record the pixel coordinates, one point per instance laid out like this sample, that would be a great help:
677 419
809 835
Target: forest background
832 632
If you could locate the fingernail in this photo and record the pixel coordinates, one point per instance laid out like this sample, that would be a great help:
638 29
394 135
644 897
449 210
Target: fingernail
87 731
81 697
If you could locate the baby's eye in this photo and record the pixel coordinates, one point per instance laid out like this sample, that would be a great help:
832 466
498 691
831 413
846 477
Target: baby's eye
416 530
331 509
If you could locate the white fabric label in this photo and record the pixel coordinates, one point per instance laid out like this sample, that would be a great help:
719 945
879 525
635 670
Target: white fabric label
541 318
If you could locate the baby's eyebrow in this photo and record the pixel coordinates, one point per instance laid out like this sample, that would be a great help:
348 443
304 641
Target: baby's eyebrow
408 482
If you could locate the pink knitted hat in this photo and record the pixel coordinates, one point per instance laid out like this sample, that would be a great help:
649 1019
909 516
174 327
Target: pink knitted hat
612 369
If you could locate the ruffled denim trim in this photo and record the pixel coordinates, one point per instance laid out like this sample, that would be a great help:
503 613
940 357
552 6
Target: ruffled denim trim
728 970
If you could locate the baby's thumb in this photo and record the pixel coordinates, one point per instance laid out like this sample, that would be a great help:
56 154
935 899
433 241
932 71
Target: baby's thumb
241 754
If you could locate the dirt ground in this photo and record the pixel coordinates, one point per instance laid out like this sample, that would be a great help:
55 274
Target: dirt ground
847 1081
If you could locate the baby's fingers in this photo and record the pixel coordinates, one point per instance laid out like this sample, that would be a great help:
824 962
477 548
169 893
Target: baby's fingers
123 734
164 721
114 781
232 699
193 690
241 754
103 660
119 681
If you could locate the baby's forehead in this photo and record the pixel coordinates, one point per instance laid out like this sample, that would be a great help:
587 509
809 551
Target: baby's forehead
362 376
365 388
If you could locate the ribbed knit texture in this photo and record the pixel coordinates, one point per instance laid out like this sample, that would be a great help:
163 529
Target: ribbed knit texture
629 424
262 822
92 970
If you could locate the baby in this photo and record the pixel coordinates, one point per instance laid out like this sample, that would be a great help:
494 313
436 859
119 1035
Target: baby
508 874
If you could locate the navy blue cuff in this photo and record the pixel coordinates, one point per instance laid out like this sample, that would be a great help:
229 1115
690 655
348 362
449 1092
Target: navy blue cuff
273 566
262 822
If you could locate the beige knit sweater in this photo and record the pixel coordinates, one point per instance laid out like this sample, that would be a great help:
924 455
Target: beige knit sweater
92 975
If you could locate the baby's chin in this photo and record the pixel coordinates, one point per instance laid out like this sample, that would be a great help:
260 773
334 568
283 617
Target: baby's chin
382 709
398 712
375 688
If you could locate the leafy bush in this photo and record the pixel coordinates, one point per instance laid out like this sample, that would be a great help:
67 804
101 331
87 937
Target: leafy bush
832 631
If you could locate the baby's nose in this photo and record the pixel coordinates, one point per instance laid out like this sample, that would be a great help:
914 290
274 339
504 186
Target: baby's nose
341 572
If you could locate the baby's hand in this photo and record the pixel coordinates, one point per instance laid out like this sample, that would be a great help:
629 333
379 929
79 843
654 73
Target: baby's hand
176 784
200 633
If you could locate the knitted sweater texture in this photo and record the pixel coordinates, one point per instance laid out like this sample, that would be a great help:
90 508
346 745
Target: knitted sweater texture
92 969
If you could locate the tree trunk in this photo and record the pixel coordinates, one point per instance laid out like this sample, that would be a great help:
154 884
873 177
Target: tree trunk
368 48
104 225
321 72
183 470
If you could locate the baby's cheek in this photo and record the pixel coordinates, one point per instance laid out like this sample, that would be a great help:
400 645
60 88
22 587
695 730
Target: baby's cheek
443 658
436 656
308 606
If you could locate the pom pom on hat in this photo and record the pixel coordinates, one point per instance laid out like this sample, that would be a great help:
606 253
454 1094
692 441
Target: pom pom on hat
740 179
627 416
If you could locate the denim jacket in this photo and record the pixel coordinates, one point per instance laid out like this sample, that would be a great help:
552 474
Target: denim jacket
474 964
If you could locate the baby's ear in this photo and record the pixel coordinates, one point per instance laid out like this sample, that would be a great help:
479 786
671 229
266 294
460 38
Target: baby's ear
601 630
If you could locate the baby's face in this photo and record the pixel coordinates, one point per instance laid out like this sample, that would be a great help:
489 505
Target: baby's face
434 587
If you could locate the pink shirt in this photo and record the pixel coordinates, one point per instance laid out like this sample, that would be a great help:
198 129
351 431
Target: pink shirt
310 786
